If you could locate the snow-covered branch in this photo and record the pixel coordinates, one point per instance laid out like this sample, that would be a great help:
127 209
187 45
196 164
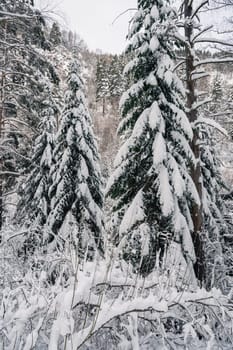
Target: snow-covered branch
206 29
214 41
3 173
14 14
213 61
199 104
213 124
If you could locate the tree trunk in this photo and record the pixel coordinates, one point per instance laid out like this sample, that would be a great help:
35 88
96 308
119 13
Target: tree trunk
103 106
2 98
1 167
1 160
200 266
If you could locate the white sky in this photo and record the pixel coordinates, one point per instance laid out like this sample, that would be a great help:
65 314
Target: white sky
92 20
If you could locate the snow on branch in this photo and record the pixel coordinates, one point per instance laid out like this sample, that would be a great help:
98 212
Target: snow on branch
3 173
11 235
214 41
213 61
199 75
14 120
178 65
199 104
213 124
11 14
204 30
110 311
11 149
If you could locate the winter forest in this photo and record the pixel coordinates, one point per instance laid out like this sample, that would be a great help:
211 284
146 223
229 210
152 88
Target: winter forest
116 181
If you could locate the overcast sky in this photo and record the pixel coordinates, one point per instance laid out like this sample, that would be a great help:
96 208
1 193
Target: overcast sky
92 19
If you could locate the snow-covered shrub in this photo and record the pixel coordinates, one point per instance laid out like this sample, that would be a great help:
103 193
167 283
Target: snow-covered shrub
104 305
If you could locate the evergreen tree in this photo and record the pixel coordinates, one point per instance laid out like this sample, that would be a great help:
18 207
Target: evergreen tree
34 204
216 95
71 41
230 118
151 185
213 208
102 82
76 189
21 50
217 92
55 35
116 80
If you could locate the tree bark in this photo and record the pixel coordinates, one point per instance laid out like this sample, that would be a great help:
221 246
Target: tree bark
200 266
103 106
2 115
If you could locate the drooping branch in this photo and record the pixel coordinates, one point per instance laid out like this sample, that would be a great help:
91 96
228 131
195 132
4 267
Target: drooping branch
202 4
122 13
214 41
213 61
201 32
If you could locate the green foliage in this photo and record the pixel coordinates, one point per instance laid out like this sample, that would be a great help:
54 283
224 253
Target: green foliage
76 180
151 186
34 205
55 36
23 64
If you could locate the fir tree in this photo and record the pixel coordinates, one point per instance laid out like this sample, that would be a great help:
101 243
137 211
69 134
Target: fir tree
102 82
21 51
151 185
34 205
230 108
116 80
55 35
217 92
216 95
212 206
76 189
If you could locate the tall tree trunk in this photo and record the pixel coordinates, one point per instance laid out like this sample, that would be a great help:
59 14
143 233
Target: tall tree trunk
103 106
2 115
1 168
200 266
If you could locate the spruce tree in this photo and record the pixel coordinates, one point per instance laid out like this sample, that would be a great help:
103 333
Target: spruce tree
216 95
214 226
34 205
217 91
76 189
151 186
116 80
102 82
230 108
22 29
55 35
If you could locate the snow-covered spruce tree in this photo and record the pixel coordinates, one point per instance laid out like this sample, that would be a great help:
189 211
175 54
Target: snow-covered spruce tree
116 80
230 119
34 205
216 96
102 82
55 36
151 185
213 208
76 189
22 52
